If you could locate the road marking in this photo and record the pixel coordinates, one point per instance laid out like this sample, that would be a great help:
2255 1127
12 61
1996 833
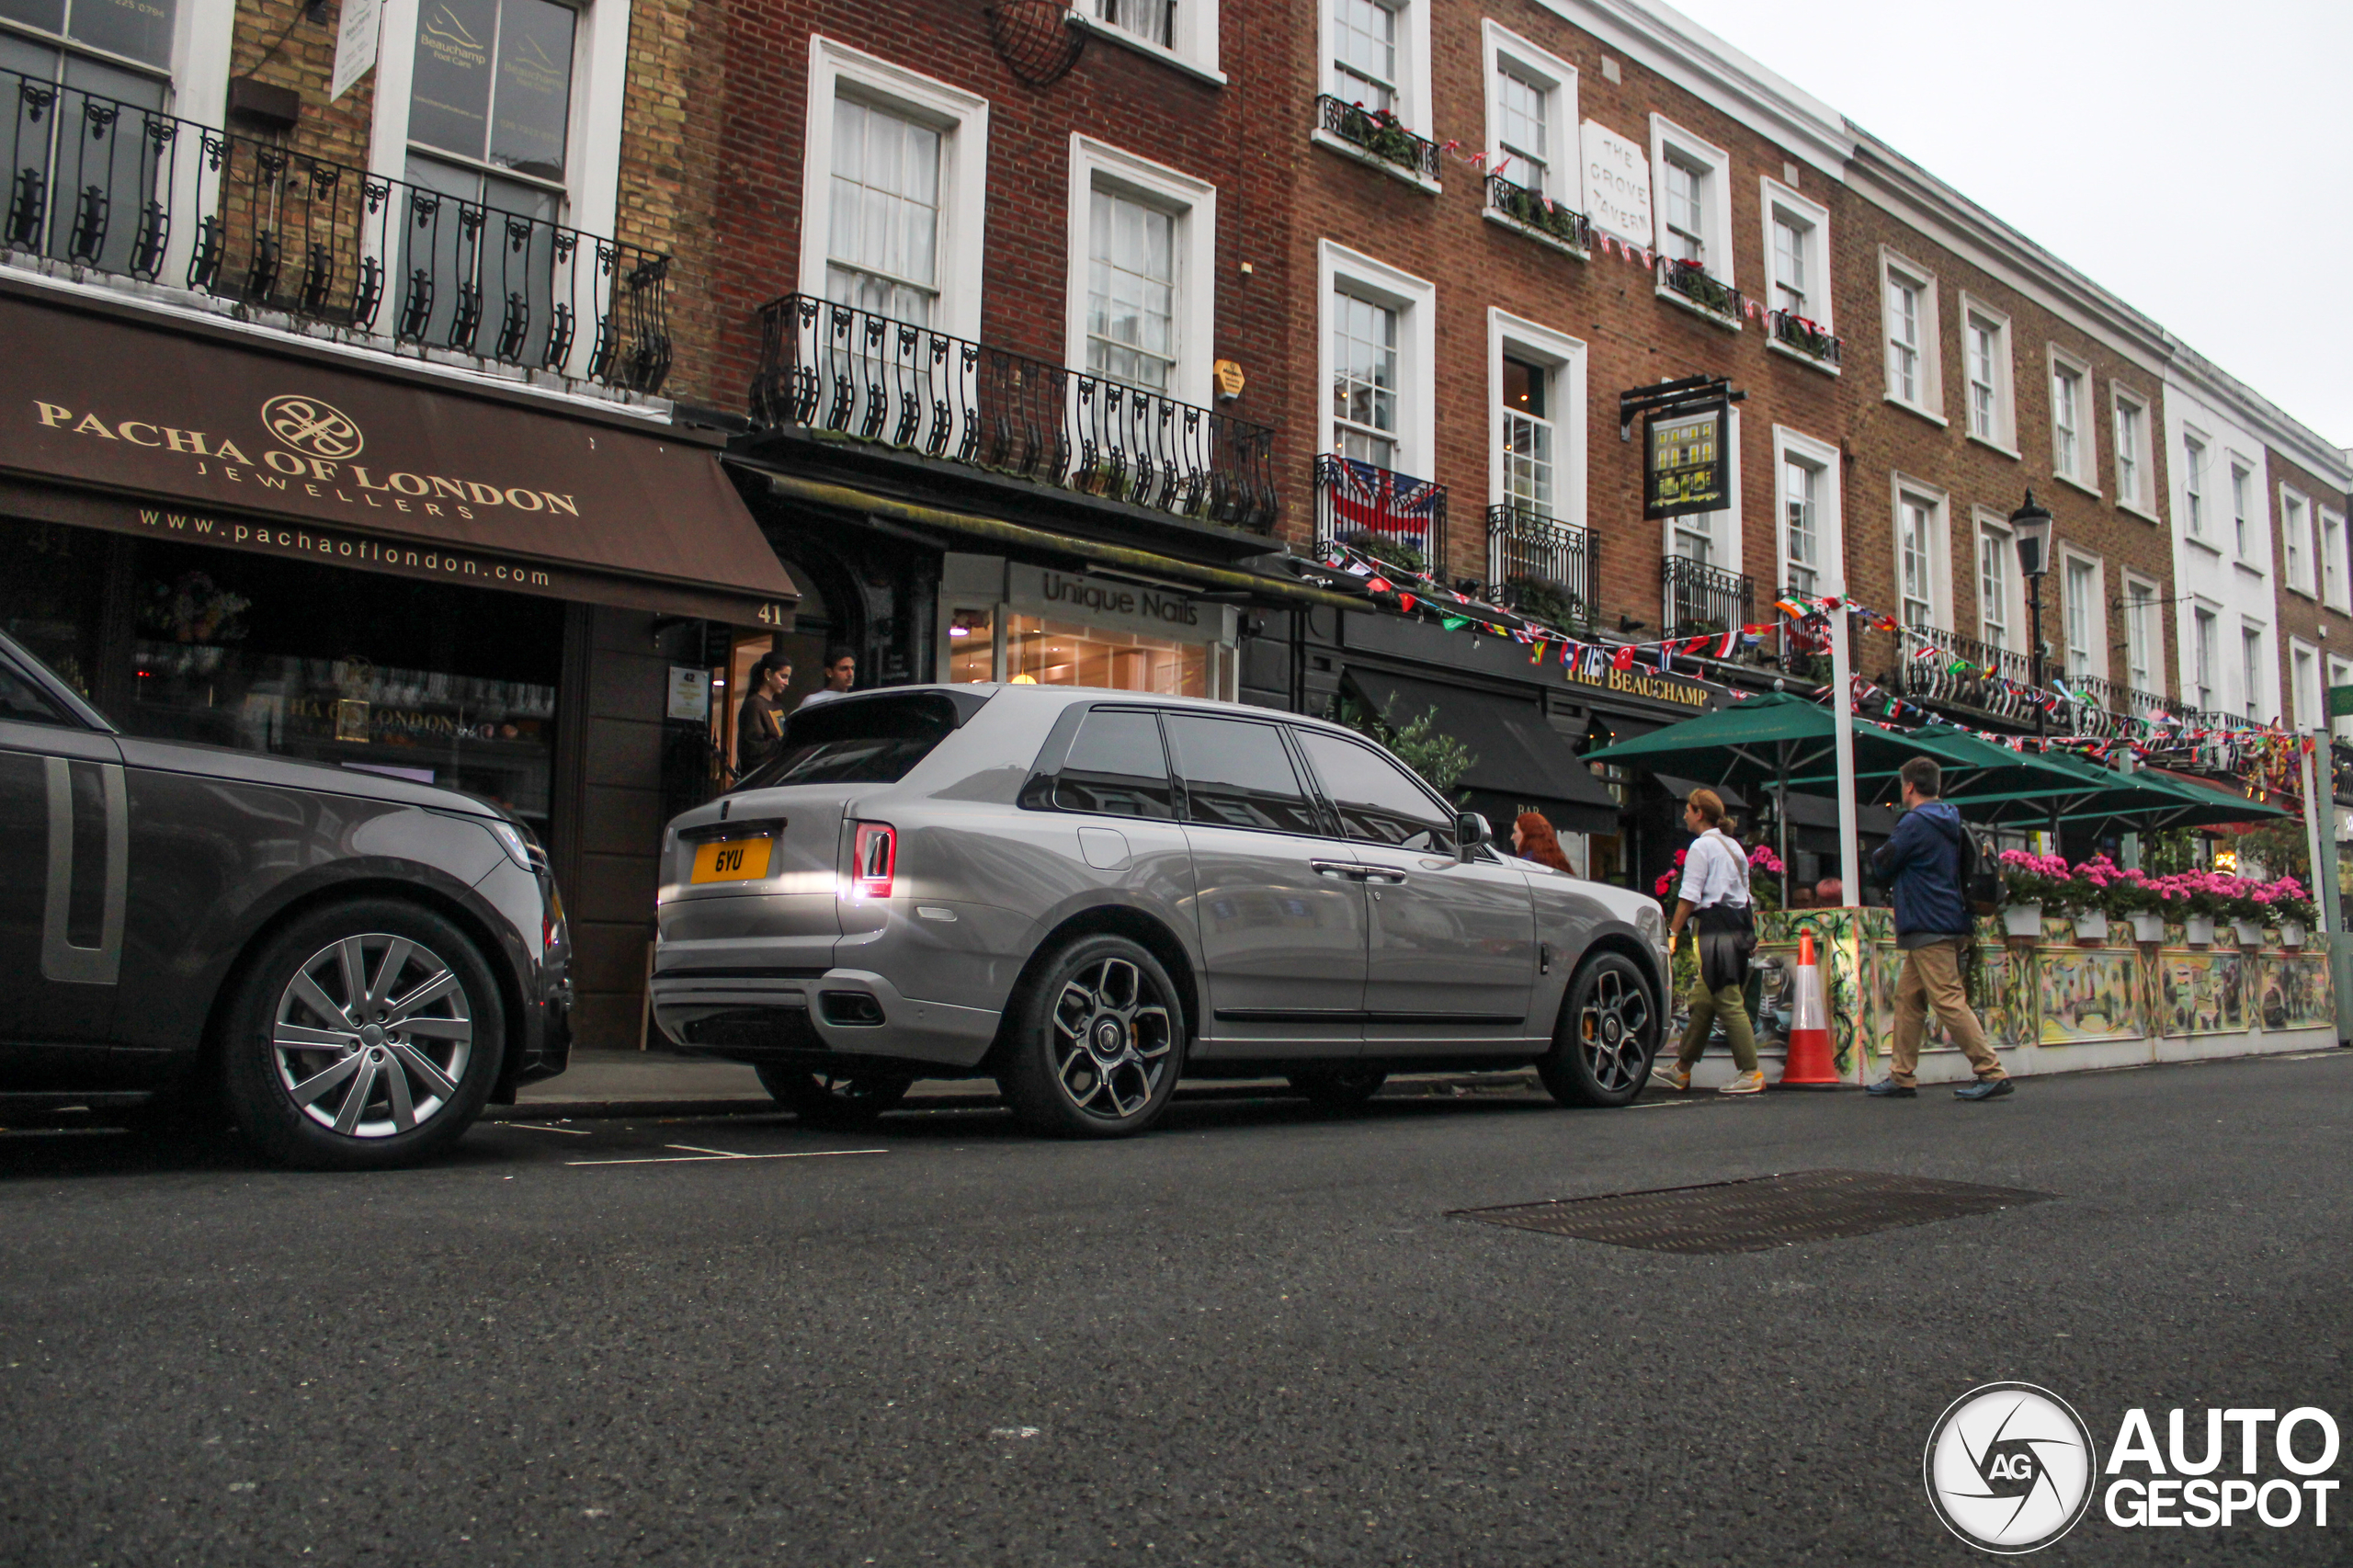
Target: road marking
721 1155
543 1127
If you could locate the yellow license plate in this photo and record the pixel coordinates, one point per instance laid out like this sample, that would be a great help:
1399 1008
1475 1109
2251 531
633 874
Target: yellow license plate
732 860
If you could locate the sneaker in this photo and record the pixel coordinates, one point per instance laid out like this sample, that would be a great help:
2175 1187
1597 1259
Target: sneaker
1983 1089
1746 1084
1889 1089
1675 1078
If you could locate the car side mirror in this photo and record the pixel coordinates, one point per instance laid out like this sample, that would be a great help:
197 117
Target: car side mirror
1471 831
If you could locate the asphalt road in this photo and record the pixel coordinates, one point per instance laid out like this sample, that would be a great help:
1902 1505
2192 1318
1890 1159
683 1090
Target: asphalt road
1253 1337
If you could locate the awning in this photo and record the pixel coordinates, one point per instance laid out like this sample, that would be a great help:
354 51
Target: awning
1521 762
1681 789
193 433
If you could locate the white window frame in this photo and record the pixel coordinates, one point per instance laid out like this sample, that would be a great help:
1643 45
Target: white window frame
2201 693
2260 705
2308 704
963 121
1939 508
1192 46
1501 47
2298 543
2340 673
1992 528
2248 526
2141 618
1715 203
1830 529
1891 268
2003 436
1097 165
1412 107
2334 590
1564 355
1341 271
2084 474
1777 201
2142 501
2096 650
2197 458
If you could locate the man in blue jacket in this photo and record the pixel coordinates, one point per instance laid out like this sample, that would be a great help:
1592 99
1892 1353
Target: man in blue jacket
1922 859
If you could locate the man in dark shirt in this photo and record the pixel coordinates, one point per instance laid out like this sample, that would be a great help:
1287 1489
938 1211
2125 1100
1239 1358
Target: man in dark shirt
1922 859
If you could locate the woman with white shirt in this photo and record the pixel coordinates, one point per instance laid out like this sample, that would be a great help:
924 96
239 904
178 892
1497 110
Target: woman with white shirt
1715 890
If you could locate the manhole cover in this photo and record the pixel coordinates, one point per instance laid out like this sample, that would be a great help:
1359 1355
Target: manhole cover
1759 1213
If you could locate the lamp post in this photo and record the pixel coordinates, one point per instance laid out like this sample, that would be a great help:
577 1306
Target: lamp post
2030 531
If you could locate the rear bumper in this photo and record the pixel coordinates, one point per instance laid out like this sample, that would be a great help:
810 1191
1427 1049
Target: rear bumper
772 1016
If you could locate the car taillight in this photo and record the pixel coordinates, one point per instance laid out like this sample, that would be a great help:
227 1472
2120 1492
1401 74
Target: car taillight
874 860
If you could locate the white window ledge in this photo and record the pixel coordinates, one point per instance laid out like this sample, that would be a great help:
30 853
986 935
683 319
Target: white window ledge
1683 301
2250 568
2143 513
2209 546
1997 447
1498 216
1910 407
1774 345
2074 483
2303 593
1146 47
1350 150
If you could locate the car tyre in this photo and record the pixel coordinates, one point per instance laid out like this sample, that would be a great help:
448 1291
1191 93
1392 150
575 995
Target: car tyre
1607 1036
843 1100
1339 1088
1095 1042
362 1036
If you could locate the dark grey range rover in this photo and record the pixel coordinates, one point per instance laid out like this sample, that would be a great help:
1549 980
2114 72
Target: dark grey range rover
356 963
1087 896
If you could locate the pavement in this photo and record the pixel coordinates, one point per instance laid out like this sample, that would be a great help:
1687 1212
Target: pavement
1258 1336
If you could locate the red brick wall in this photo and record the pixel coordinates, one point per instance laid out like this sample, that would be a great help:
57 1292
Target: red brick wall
2302 615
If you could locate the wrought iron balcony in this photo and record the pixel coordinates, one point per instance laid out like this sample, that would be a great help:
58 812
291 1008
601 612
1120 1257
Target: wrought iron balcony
103 187
1796 332
837 368
1395 516
1541 567
1694 283
1705 599
1944 667
1532 211
2111 706
1379 134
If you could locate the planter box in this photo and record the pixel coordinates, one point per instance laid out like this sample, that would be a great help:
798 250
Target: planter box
2249 933
2292 933
2092 925
2200 930
2148 927
2022 920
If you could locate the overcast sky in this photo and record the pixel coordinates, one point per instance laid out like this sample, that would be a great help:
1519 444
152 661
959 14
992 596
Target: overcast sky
2194 158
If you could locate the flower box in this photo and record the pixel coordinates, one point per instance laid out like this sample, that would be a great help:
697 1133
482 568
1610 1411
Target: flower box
2292 933
2148 927
2022 920
2249 932
2199 929
2091 926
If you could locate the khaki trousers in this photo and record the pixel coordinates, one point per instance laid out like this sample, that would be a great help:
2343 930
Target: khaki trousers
1931 978
1704 1006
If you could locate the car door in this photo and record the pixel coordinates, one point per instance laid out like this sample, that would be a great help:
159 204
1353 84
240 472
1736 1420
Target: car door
1280 907
1452 953
64 848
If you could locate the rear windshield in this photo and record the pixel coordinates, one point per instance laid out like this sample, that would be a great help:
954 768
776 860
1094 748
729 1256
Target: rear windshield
862 740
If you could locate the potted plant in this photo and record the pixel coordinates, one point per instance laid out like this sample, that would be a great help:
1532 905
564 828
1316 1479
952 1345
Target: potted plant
2031 883
2141 899
1765 870
2290 908
2090 885
2246 910
2204 898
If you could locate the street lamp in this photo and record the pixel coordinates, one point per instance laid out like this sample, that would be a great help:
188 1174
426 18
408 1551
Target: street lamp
2030 529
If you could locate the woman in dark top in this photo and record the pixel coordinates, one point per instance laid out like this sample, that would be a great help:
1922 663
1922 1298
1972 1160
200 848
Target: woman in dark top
1532 838
759 729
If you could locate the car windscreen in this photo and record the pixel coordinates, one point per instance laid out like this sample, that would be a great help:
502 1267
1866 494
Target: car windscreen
861 740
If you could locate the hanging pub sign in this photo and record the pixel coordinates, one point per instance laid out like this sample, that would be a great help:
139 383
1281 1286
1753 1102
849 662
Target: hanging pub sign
1686 461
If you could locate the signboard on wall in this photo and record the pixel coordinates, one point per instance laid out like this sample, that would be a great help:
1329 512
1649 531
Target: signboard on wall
1686 462
1617 184
355 45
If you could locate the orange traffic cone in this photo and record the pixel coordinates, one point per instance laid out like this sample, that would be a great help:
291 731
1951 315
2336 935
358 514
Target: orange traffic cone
1809 1065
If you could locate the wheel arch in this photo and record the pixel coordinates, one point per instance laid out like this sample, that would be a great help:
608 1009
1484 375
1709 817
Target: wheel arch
1147 931
1626 945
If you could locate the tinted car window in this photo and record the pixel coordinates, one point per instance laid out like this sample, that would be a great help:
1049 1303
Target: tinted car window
22 700
1378 801
1237 774
1116 766
869 740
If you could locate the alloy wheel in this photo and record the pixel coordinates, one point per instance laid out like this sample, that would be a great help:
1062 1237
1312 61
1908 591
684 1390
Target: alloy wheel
1613 1030
1113 1039
372 1035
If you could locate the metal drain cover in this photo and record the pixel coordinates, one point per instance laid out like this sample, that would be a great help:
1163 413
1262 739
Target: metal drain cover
1757 1214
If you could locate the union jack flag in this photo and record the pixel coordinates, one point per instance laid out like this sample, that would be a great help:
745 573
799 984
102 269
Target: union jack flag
1365 499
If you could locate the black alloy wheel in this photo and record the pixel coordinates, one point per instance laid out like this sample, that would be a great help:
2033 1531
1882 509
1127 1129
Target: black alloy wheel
1097 1042
1339 1088
362 1036
1607 1036
846 1100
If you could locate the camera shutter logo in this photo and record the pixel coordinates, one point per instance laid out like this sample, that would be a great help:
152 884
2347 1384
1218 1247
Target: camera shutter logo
320 429
2009 1468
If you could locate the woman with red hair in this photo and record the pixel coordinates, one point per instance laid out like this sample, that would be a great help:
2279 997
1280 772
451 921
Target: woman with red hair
1532 838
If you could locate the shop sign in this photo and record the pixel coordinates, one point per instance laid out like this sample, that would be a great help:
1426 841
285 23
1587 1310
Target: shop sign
1617 184
1656 688
1684 463
689 695
1101 601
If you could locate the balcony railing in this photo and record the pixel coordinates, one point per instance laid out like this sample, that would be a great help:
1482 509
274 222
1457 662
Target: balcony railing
1530 209
1376 134
826 366
1802 335
106 186
1395 516
1940 667
1540 567
1704 599
1694 282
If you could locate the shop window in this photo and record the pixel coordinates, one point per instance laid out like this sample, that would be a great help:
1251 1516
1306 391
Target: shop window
1040 651
49 598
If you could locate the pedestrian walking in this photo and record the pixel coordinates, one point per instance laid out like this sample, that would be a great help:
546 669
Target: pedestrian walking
759 729
1926 861
841 674
1714 900
1532 838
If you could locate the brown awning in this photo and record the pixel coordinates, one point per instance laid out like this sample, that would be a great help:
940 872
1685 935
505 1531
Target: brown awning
115 422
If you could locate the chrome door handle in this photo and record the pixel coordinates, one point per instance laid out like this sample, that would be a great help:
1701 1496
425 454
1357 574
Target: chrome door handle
1380 874
1336 868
